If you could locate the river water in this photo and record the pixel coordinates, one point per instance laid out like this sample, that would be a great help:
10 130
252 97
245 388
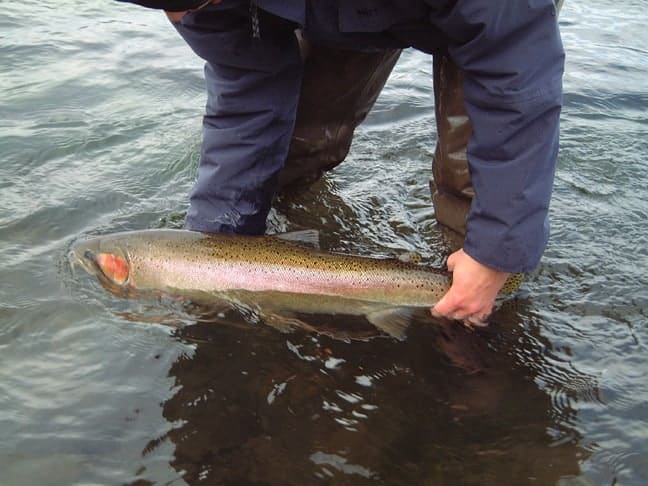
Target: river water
100 112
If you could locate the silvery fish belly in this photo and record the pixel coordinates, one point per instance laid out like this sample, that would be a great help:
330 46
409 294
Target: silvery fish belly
281 276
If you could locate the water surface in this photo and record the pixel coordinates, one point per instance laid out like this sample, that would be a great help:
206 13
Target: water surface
100 132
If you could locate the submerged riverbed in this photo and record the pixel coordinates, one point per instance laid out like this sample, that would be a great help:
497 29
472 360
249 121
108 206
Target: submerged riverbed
100 132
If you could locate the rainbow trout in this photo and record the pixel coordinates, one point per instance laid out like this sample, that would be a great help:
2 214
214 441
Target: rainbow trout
280 276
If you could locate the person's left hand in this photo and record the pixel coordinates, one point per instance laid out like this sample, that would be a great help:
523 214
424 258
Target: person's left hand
473 291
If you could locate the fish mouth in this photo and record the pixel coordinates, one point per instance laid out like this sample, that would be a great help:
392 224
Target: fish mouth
84 258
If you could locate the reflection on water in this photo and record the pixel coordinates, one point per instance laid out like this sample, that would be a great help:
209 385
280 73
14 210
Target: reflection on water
445 406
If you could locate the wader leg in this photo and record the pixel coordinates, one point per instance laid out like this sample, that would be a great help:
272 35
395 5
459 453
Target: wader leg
339 88
451 188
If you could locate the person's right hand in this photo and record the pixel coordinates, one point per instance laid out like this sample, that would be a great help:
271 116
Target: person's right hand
472 294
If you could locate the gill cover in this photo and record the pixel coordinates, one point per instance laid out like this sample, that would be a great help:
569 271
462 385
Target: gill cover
113 267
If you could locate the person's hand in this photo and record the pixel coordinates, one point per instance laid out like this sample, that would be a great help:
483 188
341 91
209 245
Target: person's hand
473 291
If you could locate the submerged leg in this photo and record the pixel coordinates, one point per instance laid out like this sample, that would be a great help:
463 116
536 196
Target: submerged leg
339 89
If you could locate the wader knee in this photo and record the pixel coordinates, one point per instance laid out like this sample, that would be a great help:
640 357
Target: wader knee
339 88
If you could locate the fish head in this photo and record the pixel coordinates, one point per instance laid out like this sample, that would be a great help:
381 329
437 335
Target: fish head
104 257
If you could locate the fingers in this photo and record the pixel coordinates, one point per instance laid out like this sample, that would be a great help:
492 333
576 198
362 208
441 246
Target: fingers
459 306
471 320
476 320
472 294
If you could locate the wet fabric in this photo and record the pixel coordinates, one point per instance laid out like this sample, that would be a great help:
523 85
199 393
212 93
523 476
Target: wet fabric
253 87
339 88
451 186
512 59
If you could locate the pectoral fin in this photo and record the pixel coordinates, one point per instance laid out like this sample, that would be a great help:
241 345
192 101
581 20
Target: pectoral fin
393 321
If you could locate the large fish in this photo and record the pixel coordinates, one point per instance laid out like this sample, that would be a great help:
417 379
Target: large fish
280 277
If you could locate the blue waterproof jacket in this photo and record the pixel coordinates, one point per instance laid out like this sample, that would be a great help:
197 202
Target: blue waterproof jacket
512 57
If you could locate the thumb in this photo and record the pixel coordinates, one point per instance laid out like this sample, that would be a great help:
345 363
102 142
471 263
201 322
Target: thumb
443 307
437 310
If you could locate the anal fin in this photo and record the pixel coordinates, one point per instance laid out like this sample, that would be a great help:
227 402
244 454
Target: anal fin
285 323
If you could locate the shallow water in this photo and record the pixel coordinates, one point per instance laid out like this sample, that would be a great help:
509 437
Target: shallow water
100 132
